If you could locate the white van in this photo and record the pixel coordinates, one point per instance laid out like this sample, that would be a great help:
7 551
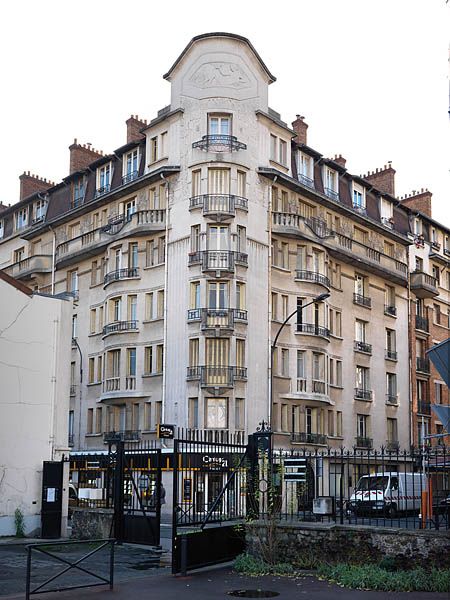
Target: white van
389 493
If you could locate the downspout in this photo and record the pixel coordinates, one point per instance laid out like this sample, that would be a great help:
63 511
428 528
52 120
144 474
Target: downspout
269 300
53 259
410 382
54 366
166 279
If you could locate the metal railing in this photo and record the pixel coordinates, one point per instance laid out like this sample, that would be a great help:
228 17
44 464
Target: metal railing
362 300
102 190
130 177
125 273
390 310
216 318
219 143
313 276
302 437
422 323
218 260
210 375
391 354
218 203
305 180
422 364
123 435
391 399
388 222
363 347
119 326
423 407
363 442
363 394
361 209
331 194
312 329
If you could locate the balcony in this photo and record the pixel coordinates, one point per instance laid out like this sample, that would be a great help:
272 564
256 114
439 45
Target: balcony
422 323
423 365
311 329
305 180
101 191
362 210
362 347
331 194
315 439
26 268
218 260
390 355
388 222
70 440
363 442
127 273
212 376
219 143
218 206
127 435
119 226
314 277
120 327
129 177
392 445
436 246
392 399
423 408
217 319
423 285
361 300
363 394
390 311
318 387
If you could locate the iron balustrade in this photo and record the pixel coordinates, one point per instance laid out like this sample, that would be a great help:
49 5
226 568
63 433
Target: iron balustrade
391 399
387 222
126 273
436 246
312 329
422 323
423 407
77 201
130 177
390 310
363 347
218 203
119 326
361 209
319 226
392 445
210 375
447 251
362 300
313 276
391 354
212 318
219 143
123 435
332 194
218 260
363 442
102 190
305 180
422 364
302 437
363 394
318 387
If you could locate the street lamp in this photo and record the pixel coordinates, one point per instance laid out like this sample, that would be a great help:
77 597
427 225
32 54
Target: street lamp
297 311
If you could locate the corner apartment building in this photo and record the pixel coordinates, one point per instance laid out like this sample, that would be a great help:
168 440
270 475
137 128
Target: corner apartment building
186 248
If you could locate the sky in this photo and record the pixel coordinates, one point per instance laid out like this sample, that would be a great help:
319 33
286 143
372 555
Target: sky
371 78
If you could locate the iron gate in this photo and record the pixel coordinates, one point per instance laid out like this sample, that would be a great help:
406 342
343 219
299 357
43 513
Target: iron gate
209 501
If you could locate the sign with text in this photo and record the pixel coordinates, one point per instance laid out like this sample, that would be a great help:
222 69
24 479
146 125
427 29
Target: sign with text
165 432
295 469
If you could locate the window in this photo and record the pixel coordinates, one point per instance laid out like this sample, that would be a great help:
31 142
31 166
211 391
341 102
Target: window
360 285
94 272
196 183
219 125
132 308
159 358
362 378
135 409
131 368
161 249
149 306
419 264
282 152
21 218
148 416
116 309
218 183
339 423
131 165
391 386
160 304
359 197
285 362
91 378
98 420
158 411
339 373
193 413
361 426
301 364
331 188
390 296
99 368
305 169
241 239
338 323
151 254
240 295
422 432
360 330
78 192
2 228
39 209
19 254
100 318
438 392
195 238
154 149
392 430
195 294
163 144
218 237
239 414
129 208
74 326
330 423
90 421
284 306
193 352
273 147
92 321
155 198
216 413
73 281
148 360
133 255
299 313
240 353
242 184
284 418
274 306
436 273
104 179
318 367
114 364
390 340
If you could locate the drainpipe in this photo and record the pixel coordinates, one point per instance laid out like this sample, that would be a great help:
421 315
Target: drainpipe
166 279
410 382
54 365
53 258
269 299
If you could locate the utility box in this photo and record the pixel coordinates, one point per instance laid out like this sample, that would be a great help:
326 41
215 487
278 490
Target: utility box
323 505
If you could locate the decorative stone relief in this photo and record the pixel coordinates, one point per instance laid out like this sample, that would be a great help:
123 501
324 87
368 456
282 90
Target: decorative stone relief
220 74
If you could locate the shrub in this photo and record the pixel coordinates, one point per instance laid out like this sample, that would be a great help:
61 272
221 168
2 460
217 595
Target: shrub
19 523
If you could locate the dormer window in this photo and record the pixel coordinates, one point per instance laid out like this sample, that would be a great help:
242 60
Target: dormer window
386 213
359 198
39 210
331 188
2 228
305 169
22 218
103 179
130 166
78 192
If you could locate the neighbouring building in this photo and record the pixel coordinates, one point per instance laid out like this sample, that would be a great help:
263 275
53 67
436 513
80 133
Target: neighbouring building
187 247
34 397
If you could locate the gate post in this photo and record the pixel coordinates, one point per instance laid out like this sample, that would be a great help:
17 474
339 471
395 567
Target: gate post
118 492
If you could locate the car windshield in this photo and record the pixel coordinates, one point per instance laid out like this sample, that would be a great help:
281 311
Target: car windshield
372 483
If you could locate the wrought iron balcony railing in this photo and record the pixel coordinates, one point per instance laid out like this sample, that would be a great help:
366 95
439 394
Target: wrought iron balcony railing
218 260
314 277
120 326
388 222
391 354
363 394
363 442
436 246
210 375
392 399
102 190
392 445
363 347
331 194
127 273
423 364
312 329
362 300
302 437
422 323
213 204
361 209
390 310
129 177
219 143
217 318
127 435
423 407
305 180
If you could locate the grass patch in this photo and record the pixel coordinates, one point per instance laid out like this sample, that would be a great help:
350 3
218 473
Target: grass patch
254 567
375 577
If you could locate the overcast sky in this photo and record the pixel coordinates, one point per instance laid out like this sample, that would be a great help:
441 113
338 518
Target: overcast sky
370 77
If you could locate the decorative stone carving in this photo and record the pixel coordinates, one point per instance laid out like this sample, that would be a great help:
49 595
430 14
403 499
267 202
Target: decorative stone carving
220 74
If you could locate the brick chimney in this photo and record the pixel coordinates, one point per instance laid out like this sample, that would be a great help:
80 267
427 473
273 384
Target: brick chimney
340 160
300 128
81 156
30 184
420 201
134 126
383 179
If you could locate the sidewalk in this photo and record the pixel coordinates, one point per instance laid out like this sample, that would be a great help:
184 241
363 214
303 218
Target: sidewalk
216 583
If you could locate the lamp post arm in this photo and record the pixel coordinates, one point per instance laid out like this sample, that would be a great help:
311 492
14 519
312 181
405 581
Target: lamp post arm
274 344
